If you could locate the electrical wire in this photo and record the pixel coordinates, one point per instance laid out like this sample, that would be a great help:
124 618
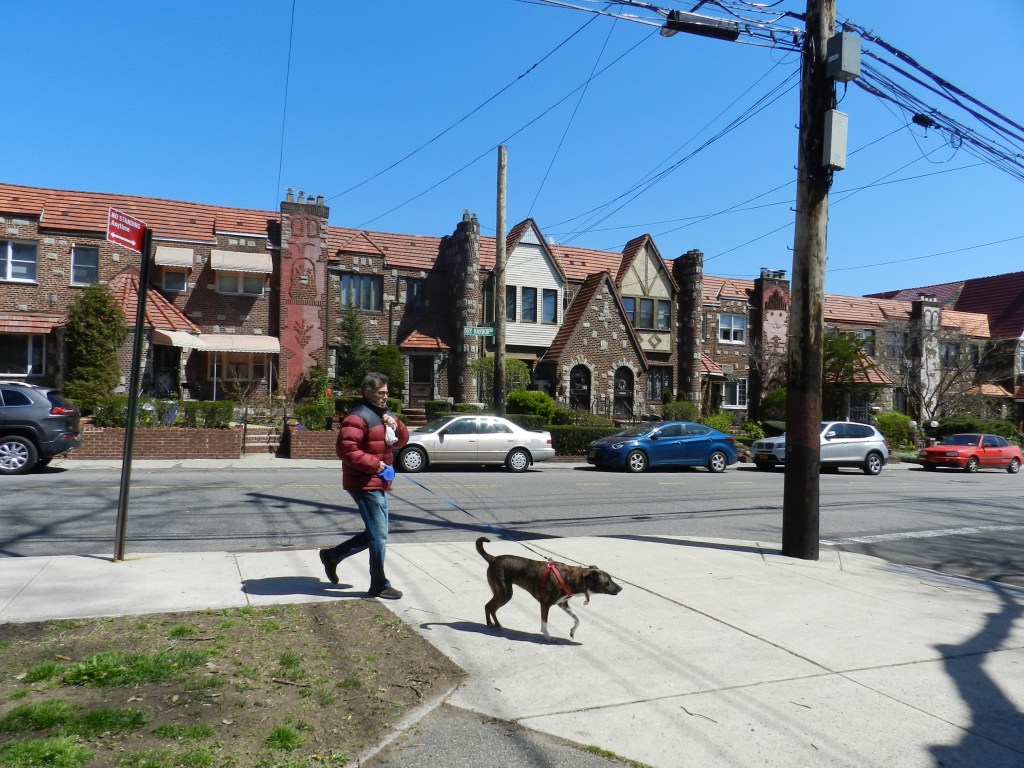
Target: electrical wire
284 108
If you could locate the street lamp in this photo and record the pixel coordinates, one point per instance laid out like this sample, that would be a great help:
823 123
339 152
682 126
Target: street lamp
695 24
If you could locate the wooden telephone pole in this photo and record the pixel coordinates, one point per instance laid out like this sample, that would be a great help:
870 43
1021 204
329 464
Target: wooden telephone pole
800 518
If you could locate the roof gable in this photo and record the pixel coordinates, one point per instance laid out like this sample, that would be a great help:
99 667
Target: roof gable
644 247
160 313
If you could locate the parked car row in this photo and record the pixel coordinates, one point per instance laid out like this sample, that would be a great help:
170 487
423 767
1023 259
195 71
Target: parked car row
842 444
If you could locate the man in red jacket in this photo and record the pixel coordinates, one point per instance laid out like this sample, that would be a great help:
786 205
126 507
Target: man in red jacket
369 436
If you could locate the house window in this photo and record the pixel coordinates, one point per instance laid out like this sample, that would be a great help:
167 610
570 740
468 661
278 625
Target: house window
659 380
646 319
243 283
550 308
734 393
415 295
664 315
510 303
895 343
361 291
975 352
236 366
85 265
22 354
732 329
629 304
174 280
18 261
867 341
529 312
950 356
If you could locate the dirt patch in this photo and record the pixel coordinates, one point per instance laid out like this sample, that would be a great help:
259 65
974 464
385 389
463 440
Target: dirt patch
291 685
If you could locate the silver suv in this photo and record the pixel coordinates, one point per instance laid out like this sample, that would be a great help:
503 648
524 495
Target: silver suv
36 424
843 444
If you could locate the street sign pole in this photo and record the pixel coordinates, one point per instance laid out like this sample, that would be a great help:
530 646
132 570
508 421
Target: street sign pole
135 380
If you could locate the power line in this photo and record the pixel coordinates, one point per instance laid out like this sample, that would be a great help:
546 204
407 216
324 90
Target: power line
284 108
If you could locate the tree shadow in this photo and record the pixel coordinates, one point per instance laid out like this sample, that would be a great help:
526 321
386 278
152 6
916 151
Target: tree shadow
995 720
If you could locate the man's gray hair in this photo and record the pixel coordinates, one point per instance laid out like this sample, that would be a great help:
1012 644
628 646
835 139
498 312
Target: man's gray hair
373 381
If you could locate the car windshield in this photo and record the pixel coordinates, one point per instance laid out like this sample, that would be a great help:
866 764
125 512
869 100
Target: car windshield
637 430
960 440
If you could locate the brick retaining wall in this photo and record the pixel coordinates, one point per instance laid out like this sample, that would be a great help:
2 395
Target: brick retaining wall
310 444
161 443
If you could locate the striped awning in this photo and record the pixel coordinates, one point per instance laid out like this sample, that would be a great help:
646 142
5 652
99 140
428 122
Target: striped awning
218 342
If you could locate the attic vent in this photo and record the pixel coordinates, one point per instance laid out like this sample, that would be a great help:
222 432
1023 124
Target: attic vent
727 369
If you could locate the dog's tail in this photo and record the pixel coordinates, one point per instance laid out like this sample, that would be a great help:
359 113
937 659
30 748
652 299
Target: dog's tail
480 548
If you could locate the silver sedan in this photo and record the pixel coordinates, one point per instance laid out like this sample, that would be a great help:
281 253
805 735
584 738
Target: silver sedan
474 439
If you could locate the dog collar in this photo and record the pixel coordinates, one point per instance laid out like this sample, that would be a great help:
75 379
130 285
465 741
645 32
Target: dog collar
551 568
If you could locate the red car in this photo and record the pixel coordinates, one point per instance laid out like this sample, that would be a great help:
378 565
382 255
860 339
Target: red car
971 453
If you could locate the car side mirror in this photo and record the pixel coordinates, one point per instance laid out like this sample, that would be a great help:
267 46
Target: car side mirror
655 435
830 435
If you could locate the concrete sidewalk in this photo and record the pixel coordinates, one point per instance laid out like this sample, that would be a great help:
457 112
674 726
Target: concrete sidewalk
716 653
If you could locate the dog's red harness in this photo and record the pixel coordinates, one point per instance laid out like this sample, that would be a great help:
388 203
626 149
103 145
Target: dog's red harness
551 568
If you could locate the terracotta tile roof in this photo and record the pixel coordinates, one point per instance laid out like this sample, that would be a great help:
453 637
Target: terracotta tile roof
409 251
417 340
1001 298
967 323
989 390
632 250
1019 394
857 310
871 373
944 293
709 367
87 212
718 288
160 313
14 322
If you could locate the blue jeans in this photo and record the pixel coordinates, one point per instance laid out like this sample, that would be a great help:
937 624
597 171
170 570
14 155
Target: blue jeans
373 507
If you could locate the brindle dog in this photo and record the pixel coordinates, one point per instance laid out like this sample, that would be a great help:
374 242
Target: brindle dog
549 582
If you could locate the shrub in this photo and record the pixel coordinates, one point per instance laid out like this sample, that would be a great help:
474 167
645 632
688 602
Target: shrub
773 406
387 359
666 397
895 426
112 411
680 410
315 415
465 408
753 430
953 426
573 441
206 414
531 401
436 408
721 420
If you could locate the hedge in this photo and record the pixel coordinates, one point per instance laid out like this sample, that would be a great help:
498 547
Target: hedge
526 420
112 411
573 441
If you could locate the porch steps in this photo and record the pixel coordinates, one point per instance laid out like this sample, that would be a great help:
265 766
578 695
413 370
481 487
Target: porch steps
414 417
261 438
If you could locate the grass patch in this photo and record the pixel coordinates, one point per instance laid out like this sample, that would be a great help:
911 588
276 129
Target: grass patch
117 668
54 752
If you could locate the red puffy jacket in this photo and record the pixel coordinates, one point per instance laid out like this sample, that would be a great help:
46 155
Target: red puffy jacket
361 448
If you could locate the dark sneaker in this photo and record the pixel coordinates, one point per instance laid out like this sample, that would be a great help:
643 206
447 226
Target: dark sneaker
388 593
330 567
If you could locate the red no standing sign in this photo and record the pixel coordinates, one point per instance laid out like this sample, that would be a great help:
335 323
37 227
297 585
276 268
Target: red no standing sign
125 230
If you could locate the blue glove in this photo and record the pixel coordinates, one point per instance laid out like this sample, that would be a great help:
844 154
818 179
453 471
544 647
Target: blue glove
387 474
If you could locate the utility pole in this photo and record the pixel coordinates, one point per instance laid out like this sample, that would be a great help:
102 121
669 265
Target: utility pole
800 518
499 289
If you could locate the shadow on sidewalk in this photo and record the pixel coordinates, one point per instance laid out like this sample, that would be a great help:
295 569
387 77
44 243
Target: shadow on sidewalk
722 546
994 717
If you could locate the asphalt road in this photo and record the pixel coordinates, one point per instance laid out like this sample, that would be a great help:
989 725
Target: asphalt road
961 524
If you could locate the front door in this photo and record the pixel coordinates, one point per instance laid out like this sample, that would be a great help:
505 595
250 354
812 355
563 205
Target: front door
623 408
579 387
421 380
165 370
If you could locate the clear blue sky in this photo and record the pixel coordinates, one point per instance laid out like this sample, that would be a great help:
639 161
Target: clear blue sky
187 100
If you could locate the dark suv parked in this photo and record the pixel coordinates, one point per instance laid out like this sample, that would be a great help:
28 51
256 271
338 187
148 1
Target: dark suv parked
36 424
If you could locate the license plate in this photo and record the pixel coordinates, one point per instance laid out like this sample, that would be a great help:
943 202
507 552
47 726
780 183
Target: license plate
591 454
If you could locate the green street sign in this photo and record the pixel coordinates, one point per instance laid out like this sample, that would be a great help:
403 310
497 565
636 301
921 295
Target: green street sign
477 330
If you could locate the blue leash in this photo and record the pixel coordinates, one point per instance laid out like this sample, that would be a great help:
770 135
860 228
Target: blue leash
500 532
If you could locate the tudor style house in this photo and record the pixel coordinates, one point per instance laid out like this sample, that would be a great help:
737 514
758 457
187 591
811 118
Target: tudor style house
242 301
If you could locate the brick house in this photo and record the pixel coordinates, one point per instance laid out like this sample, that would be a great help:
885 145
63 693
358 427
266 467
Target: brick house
245 300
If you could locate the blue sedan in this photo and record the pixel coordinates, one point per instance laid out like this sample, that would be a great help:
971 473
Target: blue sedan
664 444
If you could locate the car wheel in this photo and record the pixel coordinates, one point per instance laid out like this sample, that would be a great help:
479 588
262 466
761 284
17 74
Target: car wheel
636 461
873 464
717 462
763 466
1013 467
518 460
17 455
972 465
413 460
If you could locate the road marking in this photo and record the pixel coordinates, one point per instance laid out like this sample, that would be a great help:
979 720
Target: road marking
920 534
